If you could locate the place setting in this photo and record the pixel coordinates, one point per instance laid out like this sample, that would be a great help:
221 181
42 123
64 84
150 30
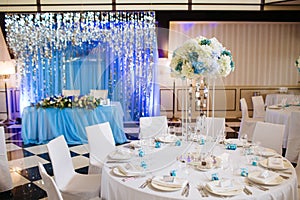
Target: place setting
265 177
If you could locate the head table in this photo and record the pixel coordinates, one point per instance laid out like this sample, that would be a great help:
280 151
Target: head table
168 159
40 125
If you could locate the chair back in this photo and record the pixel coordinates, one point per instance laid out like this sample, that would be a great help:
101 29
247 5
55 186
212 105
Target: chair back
215 126
60 157
5 177
297 168
101 141
258 107
244 108
293 142
99 94
152 126
52 190
70 93
269 135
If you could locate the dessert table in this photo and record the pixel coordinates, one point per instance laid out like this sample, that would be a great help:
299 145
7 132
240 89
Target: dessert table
40 125
279 115
168 159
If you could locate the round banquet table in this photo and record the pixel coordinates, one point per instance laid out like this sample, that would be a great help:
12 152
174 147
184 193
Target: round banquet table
281 116
115 187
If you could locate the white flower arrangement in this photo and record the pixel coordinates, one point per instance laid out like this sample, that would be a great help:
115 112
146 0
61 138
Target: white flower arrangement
297 63
201 57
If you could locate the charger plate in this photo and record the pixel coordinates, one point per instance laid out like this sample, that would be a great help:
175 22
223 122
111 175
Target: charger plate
276 181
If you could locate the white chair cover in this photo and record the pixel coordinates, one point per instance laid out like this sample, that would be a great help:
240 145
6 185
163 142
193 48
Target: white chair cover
269 135
99 93
219 126
293 143
71 184
70 92
259 111
52 190
101 143
5 177
152 126
247 124
297 168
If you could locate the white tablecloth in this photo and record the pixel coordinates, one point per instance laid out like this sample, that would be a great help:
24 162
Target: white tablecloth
274 99
282 116
118 188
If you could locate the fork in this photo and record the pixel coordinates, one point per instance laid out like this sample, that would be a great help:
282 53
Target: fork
185 189
146 183
201 190
257 186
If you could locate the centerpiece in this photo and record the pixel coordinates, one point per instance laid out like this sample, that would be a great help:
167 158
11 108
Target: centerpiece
84 101
200 58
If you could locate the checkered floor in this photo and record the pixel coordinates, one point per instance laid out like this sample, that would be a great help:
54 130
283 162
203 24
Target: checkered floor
23 161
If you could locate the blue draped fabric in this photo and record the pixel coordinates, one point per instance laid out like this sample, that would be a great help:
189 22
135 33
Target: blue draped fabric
41 125
115 51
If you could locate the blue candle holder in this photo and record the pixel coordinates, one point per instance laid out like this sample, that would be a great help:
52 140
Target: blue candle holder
143 164
157 144
141 153
231 146
173 172
244 172
254 161
202 141
214 177
178 143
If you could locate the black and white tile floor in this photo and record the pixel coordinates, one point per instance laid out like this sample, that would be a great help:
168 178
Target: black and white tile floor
23 161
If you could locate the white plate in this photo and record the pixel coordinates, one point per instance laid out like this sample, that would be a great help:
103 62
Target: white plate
119 155
225 193
274 107
276 181
286 164
117 172
238 142
266 152
167 139
163 188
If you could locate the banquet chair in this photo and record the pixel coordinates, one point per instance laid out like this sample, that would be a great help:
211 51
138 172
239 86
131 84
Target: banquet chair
247 124
52 190
71 184
297 168
152 126
218 122
70 93
269 135
259 111
101 143
293 141
5 177
99 94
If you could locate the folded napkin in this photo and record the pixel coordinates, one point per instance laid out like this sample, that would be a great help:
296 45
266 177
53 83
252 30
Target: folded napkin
167 182
223 186
275 163
130 170
119 155
167 139
263 177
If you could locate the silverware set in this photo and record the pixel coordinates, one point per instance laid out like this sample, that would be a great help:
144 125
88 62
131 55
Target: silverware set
146 183
186 190
257 186
202 191
247 191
